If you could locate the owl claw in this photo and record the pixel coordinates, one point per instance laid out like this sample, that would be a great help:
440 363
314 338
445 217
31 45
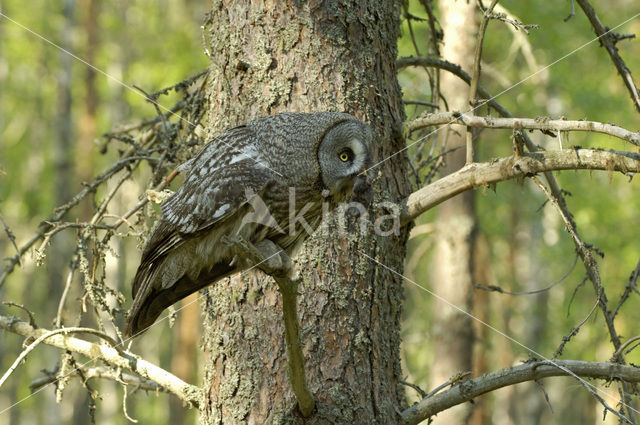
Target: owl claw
265 255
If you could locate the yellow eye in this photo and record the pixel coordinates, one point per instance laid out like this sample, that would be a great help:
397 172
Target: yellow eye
344 156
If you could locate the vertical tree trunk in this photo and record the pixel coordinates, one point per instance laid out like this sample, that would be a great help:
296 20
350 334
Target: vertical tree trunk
274 56
64 130
184 359
87 124
456 223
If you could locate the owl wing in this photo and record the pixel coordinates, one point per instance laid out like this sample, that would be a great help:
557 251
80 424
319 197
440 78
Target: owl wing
202 203
221 180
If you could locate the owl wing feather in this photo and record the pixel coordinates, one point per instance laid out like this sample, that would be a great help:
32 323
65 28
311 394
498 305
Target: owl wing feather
217 187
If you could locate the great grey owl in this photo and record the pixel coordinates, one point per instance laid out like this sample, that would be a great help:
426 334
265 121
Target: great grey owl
308 158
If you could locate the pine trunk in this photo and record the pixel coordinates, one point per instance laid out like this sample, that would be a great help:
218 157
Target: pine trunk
274 56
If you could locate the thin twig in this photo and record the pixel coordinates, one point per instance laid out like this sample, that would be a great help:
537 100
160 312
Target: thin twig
420 102
618 353
608 40
415 387
11 237
107 199
532 292
503 17
575 330
189 394
65 292
573 12
631 287
475 77
105 373
409 17
123 129
32 320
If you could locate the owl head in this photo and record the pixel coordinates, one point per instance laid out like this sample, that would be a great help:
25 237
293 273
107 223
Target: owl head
343 153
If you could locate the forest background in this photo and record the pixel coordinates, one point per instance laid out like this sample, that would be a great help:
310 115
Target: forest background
54 110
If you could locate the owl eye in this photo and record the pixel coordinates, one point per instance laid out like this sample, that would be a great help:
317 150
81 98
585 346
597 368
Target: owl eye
346 155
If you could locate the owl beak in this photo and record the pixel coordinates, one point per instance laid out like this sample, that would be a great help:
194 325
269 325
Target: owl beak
362 191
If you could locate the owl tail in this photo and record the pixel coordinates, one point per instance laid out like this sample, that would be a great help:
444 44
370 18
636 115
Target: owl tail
149 301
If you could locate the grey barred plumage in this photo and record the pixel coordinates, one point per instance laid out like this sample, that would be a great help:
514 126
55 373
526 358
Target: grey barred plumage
241 183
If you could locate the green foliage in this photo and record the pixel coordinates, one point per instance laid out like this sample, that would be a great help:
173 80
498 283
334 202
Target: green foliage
563 74
145 43
153 44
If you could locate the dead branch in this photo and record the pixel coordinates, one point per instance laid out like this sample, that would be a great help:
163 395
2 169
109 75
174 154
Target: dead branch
483 174
541 123
104 373
455 70
475 78
631 287
608 40
48 334
530 371
593 272
188 393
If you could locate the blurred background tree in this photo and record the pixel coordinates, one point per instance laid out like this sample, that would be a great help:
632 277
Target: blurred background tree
520 242
53 111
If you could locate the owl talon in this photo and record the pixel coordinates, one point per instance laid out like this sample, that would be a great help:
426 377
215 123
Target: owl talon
265 255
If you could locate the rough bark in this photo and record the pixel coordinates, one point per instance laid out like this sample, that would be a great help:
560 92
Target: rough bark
456 223
274 56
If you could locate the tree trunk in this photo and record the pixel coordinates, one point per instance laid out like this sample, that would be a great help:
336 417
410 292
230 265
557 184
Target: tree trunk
87 130
268 57
456 222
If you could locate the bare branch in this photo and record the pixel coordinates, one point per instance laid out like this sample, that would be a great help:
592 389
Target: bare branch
619 352
188 393
11 237
608 40
483 174
631 287
455 70
26 351
67 286
515 23
530 371
32 320
591 265
106 373
475 78
541 123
